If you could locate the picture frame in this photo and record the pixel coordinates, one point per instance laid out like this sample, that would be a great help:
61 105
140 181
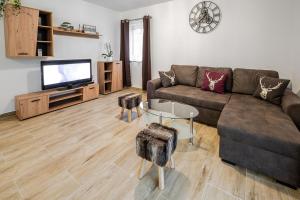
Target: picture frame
89 29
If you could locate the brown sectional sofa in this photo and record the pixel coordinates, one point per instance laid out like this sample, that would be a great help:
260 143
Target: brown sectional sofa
253 133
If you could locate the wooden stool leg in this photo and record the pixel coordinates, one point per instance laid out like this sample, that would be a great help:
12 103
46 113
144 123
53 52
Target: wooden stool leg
142 168
172 163
129 115
122 113
161 178
138 111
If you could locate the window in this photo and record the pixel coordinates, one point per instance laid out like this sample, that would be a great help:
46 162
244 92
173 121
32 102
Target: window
136 31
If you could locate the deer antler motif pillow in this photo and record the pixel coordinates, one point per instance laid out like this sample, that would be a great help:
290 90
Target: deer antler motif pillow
271 89
214 81
168 79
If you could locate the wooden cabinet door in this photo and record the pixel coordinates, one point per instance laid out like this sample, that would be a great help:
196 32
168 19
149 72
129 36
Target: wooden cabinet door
21 27
113 78
120 76
91 92
33 106
117 76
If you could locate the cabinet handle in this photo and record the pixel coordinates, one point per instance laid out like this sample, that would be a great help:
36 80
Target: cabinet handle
36 100
23 54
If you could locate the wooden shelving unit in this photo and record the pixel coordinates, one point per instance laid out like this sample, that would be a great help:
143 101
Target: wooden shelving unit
45 34
75 33
110 77
45 27
20 29
29 31
44 41
64 97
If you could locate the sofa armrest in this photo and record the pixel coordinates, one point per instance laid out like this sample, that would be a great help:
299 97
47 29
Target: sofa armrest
153 85
291 106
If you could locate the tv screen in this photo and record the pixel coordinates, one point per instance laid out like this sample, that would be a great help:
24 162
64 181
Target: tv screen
62 73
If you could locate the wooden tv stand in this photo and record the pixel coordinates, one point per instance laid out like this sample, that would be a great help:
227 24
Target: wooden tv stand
37 103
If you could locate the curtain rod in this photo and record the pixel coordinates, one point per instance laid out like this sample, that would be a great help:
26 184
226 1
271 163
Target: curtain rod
137 19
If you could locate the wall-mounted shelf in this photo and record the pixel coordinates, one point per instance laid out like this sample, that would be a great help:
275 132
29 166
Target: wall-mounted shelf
44 41
27 32
75 33
45 27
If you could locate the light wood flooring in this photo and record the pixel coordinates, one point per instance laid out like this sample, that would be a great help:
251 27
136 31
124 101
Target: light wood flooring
86 152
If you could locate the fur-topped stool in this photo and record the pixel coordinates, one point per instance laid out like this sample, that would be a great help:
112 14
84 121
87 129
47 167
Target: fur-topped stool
130 101
156 144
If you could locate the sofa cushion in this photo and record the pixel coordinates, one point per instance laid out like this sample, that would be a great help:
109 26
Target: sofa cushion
194 96
168 79
246 119
185 74
214 82
228 71
245 80
271 89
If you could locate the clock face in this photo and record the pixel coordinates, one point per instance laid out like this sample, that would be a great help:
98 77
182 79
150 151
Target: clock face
205 17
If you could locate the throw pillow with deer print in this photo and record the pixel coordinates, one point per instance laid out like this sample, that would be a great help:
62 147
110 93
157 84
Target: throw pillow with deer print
270 89
168 79
214 81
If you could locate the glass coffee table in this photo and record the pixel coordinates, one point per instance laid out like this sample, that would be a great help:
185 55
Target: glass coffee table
172 114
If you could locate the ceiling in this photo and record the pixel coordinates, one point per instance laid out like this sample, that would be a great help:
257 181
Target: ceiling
123 5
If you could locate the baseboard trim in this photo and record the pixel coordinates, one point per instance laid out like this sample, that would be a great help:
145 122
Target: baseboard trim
9 114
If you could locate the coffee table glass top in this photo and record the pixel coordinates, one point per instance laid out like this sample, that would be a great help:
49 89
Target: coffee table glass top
169 109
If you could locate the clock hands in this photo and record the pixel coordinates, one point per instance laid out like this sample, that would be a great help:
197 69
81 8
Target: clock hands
204 17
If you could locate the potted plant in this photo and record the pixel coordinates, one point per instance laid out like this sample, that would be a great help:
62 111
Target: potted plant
109 53
16 4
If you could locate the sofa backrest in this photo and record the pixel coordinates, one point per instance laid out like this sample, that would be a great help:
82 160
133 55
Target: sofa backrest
245 80
228 71
185 74
290 103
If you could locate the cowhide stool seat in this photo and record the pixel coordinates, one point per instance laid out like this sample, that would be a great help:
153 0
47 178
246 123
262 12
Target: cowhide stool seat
156 144
130 101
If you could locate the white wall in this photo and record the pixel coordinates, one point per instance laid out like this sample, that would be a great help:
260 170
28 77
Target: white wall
256 33
252 34
18 76
296 48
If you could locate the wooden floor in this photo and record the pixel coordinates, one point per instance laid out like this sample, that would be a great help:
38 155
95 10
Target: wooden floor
86 152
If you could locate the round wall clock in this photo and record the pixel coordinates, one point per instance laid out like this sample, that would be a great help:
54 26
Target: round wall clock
205 17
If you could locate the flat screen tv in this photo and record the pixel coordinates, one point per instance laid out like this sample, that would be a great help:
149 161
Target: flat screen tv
65 73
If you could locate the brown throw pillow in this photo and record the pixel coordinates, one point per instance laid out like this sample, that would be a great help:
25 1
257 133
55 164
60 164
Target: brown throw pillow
270 89
168 79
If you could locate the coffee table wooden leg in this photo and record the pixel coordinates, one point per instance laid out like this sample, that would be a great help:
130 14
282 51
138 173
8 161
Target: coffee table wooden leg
129 115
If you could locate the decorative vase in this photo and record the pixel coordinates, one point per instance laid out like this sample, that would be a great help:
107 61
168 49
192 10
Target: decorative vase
110 59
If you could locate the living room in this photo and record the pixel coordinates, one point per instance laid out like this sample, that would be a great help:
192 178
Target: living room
149 99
